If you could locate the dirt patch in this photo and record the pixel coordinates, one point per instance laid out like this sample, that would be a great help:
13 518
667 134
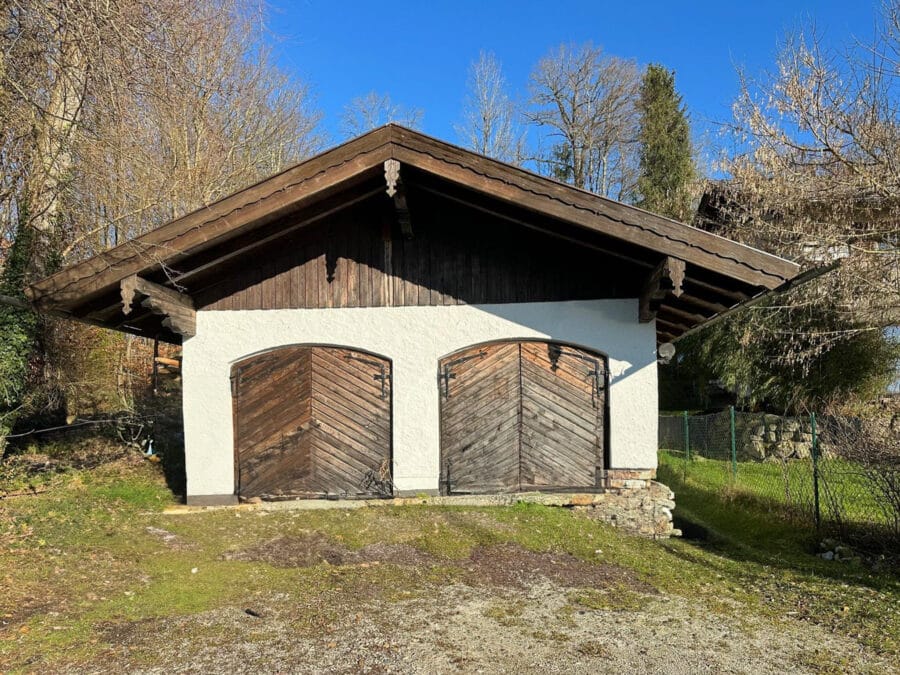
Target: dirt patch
314 549
393 554
52 456
515 567
505 565
25 608
125 632
170 539
306 551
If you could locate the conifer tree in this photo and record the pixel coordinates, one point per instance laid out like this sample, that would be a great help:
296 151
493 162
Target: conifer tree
666 165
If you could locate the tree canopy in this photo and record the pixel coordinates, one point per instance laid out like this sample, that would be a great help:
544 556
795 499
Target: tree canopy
117 117
585 101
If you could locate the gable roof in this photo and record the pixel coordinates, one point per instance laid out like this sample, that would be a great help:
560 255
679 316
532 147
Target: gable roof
734 271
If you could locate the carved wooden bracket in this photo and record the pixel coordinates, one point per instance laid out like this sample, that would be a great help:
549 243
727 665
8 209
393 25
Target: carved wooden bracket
177 308
396 190
391 176
668 277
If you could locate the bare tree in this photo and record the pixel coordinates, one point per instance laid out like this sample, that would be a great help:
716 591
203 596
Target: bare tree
870 445
45 71
119 116
816 175
210 114
813 176
489 115
114 118
585 101
373 110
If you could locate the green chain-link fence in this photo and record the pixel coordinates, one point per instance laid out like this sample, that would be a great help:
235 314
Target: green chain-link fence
821 472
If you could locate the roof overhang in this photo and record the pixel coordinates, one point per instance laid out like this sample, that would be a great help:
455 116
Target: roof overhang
691 275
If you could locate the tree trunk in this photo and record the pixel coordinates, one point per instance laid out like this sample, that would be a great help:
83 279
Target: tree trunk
52 160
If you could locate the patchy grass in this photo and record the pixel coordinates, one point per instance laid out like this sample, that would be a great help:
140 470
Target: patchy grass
615 598
507 612
780 565
91 563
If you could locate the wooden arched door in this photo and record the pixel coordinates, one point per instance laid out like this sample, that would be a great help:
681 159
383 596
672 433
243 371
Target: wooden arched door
518 416
312 421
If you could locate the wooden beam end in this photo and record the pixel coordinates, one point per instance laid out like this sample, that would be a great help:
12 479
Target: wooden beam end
177 308
666 278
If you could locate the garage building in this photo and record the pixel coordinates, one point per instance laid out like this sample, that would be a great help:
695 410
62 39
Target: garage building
400 316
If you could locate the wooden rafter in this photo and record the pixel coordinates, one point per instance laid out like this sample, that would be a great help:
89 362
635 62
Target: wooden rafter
714 307
672 327
666 309
668 277
732 294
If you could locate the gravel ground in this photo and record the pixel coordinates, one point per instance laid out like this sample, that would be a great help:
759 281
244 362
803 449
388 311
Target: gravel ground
475 630
515 611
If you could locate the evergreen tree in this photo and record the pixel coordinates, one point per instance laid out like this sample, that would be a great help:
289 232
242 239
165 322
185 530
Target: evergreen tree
666 165
772 357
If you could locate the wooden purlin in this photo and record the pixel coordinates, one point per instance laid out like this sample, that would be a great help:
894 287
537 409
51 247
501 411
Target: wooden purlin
177 309
666 279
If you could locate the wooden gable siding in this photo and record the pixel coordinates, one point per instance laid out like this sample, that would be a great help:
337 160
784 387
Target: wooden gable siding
358 258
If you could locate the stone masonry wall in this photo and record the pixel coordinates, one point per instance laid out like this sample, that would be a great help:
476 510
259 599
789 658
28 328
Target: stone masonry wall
775 437
633 502
758 437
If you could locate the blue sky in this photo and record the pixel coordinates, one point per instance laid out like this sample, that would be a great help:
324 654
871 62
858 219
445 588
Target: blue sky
419 52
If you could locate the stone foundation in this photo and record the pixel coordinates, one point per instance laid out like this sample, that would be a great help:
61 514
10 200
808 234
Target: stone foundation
629 479
632 502
637 505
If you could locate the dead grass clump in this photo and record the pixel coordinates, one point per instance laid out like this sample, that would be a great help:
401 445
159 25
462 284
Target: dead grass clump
306 551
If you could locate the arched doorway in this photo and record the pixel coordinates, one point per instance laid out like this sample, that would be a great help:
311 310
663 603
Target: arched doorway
312 421
521 415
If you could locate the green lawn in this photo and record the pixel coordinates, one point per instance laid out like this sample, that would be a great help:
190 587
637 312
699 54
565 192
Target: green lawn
846 494
85 560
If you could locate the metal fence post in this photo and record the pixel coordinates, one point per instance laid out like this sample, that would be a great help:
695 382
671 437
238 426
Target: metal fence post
815 463
687 436
733 448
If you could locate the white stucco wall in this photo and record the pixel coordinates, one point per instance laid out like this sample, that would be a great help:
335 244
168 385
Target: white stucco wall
415 338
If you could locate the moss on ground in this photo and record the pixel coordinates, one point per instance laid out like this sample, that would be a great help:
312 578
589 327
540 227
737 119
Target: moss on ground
79 565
